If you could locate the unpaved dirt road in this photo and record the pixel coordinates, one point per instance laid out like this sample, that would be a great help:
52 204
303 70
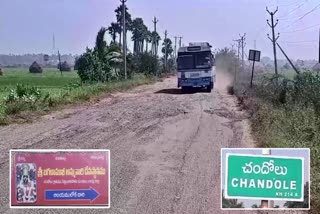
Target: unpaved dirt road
165 146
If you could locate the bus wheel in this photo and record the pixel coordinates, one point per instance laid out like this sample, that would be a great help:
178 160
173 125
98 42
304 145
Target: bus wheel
184 89
208 89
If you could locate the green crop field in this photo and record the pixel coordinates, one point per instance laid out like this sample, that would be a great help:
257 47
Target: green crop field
52 89
50 80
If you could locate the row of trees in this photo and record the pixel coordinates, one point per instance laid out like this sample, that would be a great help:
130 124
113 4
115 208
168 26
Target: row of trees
141 35
104 63
26 60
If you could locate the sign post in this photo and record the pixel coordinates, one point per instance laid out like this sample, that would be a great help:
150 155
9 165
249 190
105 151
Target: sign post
254 56
266 203
59 178
262 177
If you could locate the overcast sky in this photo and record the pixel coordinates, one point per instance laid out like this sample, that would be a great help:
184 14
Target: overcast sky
27 26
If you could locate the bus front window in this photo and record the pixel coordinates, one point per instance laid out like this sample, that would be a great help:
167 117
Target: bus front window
203 60
185 62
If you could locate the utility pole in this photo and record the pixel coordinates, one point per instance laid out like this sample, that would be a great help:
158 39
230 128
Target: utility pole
165 49
294 67
180 37
255 44
319 47
59 62
242 40
238 46
273 40
154 40
124 47
232 47
53 45
155 21
175 47
238 61
266 203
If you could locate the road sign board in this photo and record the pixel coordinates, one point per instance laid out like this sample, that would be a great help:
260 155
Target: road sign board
46 57
254 55
264 177
60 178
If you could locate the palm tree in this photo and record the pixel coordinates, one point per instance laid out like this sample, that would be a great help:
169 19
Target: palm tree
148 39
113 29
138 35
119 16
167 43
155 42
101 44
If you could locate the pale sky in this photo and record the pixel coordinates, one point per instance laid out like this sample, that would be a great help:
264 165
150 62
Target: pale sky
27 26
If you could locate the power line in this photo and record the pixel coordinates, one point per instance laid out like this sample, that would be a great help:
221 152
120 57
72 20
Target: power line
261 30
303 29
292 11
314 9
300 45
288 5
304 15
292 42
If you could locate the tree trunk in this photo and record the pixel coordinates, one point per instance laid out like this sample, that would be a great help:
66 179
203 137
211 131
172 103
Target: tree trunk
139 45
135 47
120 39
114 37
142 45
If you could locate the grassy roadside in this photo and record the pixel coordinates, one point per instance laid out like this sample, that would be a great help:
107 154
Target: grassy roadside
286 115
37 94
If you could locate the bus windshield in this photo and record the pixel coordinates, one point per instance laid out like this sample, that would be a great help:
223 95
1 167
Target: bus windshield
186 62
203 60
194 60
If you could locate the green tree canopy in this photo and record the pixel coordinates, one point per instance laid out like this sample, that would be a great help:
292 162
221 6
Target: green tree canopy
167 43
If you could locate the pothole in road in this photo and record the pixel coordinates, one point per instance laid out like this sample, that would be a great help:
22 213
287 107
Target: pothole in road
222 112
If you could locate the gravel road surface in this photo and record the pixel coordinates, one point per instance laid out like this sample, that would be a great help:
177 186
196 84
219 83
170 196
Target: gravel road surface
165 146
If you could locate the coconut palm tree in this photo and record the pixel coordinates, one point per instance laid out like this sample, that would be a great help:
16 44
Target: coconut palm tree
113 29
119 17
101 44
148 39
144 36
155 42
138 35
108 57
167 43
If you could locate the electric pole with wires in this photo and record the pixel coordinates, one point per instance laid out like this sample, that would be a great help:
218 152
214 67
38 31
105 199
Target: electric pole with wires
155 42
165 49
273 39
238 46
232 47
124 38
175 47
180 44
237 61
243 39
